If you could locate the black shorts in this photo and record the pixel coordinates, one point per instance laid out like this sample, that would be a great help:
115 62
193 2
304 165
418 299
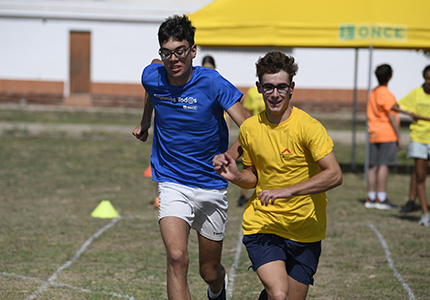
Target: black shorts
383 154
301 259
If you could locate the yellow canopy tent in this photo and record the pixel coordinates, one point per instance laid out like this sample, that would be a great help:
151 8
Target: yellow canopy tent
314 23
370 24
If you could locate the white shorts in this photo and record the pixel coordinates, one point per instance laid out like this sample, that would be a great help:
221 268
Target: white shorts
418 150
203 209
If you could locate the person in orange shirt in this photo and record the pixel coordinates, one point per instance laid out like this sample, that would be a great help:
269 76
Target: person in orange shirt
384 138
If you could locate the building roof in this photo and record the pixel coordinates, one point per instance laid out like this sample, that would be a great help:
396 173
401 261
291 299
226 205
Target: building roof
99 10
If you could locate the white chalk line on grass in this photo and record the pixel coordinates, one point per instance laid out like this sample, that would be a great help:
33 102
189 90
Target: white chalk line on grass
84 247
391 262
232 273
60 284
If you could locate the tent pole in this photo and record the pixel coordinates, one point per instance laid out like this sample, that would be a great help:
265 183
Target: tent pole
354 115
366 155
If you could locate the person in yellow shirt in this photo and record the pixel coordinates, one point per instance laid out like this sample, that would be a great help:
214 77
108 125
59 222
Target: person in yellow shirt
416 104
384 138
253 101
288 158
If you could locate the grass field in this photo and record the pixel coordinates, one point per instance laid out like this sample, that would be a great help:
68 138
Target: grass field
51 247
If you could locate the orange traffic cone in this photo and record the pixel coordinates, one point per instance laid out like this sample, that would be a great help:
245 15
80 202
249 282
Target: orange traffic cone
147 172
156 203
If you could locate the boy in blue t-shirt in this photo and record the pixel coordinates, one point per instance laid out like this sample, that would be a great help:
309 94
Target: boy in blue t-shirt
189 130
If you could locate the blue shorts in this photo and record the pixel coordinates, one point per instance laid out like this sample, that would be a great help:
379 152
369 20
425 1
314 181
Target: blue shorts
301 259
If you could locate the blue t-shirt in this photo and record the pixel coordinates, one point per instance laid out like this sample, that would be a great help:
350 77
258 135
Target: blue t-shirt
189 125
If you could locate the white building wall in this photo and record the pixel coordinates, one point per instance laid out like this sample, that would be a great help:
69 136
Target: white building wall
34 48
120 51
327 68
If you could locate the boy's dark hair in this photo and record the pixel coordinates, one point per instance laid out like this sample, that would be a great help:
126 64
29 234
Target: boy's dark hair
178 27
275 61
208 59
426 69
383 73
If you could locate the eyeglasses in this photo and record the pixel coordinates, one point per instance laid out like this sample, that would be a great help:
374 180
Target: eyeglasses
282 88
180 52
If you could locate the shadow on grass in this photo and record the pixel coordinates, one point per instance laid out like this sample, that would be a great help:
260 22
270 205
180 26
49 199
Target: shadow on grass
399 215
410 218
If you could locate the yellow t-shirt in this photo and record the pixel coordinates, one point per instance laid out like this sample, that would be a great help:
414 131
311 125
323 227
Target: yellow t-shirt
284 154
417 101
254 101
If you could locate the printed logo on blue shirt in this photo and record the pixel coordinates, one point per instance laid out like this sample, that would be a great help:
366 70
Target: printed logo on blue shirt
188 101
189 107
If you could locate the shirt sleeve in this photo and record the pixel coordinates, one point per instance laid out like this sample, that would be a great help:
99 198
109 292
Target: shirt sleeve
387 102
226 93
246 157
408 102
319 143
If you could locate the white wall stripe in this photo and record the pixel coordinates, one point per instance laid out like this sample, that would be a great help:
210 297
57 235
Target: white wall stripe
391 262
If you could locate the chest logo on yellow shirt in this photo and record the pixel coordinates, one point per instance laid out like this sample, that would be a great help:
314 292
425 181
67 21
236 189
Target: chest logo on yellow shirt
285 153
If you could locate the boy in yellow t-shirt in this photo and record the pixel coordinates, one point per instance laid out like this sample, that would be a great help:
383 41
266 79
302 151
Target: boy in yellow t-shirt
288 157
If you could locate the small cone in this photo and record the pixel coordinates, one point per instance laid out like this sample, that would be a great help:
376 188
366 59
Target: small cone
148 172
105 210
156 203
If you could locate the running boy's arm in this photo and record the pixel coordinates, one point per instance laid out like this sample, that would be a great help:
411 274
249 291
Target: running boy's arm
227 168
141 130
238 114
328 178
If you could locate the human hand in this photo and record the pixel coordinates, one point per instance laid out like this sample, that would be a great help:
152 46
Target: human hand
140 134
225 166
269 196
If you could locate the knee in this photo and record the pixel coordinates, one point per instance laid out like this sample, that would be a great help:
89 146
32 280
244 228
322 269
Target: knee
421 177
177 258
211 273
277 294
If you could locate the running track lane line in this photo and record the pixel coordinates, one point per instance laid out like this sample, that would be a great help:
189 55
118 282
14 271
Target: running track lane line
391 263
234 266
78 254
60 284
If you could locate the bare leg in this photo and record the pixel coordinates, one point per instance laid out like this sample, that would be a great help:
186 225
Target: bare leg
382 178
211 269
421 173
413 187
371 179
278 285
175 232
274 277
298 290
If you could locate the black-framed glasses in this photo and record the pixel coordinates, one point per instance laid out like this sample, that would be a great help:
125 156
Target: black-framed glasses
180 52
282 88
